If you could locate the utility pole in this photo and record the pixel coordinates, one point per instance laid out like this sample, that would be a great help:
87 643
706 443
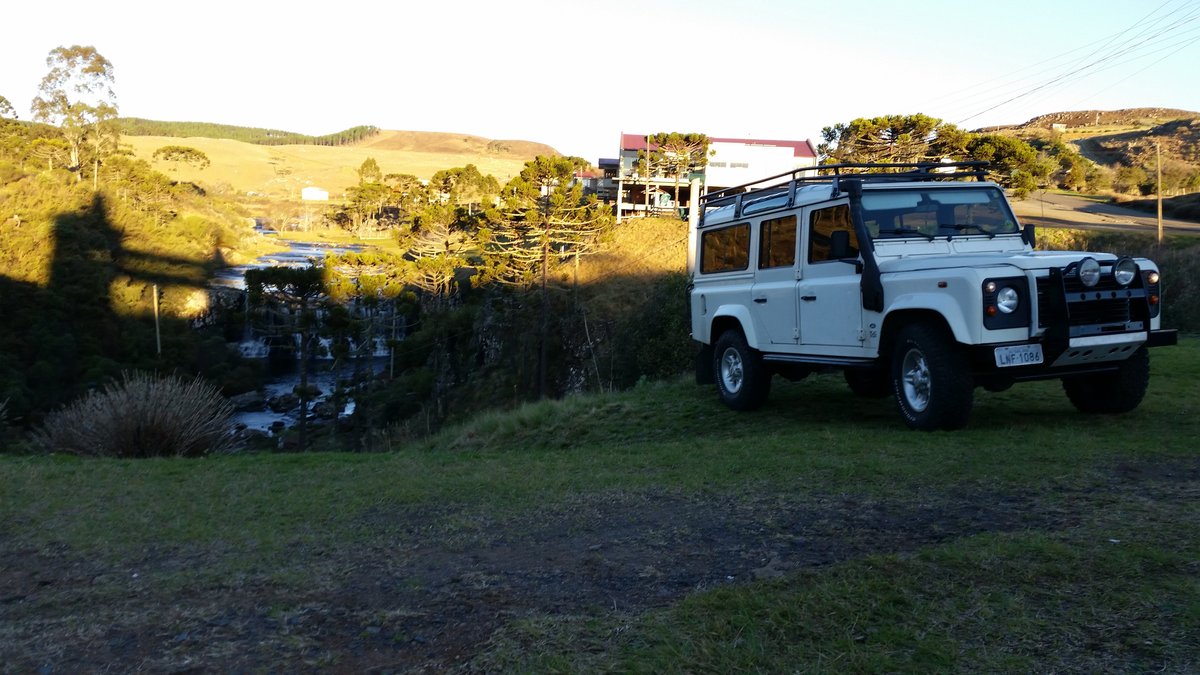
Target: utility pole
157 330
1158 163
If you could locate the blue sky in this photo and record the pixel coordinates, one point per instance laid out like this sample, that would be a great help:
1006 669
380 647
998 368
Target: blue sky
575 75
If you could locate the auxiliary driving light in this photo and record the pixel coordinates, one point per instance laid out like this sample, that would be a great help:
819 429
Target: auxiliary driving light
1125 271
1089 272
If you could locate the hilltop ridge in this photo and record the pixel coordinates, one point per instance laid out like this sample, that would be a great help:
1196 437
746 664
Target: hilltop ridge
1094 118
452 143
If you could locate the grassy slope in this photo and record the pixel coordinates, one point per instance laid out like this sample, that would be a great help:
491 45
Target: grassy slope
247 167
1106 582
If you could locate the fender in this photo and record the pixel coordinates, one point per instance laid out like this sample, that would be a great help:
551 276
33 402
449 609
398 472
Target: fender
742 314
949 307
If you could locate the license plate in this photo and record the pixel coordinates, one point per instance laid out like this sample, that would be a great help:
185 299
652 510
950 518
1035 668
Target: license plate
1020 355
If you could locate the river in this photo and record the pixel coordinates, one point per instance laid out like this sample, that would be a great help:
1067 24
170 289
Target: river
255 347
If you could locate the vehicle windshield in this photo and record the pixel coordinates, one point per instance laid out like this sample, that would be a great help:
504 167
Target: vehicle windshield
937 212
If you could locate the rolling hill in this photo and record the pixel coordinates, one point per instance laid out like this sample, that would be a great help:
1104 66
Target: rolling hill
282 170
1125 136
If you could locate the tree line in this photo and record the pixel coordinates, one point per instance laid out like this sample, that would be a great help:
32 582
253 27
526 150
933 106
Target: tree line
1024 165
135 126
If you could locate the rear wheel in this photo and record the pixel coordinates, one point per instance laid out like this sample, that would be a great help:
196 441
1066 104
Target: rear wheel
931 379
1114 392
742 381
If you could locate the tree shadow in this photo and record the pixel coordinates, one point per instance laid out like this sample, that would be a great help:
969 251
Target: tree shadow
77 329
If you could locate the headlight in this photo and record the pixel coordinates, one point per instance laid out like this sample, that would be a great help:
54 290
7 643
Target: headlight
1007 300
1124 271
1089 272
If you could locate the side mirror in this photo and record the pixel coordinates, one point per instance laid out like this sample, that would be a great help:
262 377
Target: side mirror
839 244
1029 235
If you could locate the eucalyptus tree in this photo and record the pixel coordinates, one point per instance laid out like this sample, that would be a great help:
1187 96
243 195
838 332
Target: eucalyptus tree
6 109
77 96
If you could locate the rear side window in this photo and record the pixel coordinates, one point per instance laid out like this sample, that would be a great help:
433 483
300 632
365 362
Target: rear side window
777 243
725 250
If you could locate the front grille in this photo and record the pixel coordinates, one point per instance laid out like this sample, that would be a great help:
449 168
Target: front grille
1104 308
1084 312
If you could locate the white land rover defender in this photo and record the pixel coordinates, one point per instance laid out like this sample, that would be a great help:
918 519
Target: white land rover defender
919 284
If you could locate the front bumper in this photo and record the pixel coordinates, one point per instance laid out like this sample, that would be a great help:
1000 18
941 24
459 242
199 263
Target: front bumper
1072 356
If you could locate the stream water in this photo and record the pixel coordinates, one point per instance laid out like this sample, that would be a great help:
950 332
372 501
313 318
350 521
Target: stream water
257 347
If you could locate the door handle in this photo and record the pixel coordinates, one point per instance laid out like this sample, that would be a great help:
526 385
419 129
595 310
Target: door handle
760 300
808 298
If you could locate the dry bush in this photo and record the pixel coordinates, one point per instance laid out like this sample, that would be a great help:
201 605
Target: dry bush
142 416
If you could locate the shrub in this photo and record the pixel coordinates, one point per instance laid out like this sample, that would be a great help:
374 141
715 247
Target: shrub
142 416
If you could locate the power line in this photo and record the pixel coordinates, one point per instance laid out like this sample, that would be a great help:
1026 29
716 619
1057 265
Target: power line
1113 57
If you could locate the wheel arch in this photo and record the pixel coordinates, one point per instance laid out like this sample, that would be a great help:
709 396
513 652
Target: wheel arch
733 317
948 311
897 320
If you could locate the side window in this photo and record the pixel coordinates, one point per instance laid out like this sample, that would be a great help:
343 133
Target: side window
725 250
825 222
777 242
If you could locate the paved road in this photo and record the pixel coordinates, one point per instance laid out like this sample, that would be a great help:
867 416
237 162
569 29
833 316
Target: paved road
1059 210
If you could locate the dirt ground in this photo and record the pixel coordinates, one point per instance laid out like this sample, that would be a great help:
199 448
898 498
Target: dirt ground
429 595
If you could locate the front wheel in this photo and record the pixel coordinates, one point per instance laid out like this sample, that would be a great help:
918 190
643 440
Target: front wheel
931 379
1111 393
742 381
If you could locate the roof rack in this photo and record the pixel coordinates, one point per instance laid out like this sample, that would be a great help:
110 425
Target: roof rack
871 172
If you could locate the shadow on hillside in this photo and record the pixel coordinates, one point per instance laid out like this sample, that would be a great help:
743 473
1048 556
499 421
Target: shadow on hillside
72 334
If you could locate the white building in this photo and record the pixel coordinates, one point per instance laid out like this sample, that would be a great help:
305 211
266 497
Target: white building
732 161
314 194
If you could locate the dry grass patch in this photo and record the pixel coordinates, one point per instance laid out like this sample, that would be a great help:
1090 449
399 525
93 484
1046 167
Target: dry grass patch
282 170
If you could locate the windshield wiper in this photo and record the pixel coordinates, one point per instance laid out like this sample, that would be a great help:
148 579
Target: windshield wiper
907 230
963 228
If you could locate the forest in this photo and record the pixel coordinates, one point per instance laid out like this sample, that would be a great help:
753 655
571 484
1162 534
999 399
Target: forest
134 126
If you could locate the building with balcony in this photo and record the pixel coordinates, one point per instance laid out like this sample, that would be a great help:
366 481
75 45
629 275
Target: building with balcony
731 162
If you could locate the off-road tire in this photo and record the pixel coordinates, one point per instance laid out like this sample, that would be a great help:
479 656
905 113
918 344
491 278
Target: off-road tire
1111 393
743 382
869 382
931 378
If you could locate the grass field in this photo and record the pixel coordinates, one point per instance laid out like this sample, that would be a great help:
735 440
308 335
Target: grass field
649 531
283 170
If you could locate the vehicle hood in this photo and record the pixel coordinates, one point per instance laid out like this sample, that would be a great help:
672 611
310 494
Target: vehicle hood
1024 260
